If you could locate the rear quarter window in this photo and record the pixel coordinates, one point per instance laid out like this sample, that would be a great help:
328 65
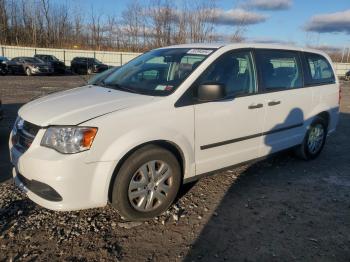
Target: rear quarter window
318 70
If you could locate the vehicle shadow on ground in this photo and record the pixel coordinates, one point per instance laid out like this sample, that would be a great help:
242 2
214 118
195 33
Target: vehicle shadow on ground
10 113
281 209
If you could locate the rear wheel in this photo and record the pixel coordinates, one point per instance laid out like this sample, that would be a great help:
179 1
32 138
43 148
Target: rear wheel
146 184
314 140
89 71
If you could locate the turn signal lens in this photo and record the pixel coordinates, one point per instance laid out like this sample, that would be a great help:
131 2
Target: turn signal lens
88 137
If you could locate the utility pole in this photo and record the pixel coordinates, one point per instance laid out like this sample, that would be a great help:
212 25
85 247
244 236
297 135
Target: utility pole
342 55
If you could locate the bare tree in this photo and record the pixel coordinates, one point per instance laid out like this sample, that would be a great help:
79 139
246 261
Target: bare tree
132 19
47 23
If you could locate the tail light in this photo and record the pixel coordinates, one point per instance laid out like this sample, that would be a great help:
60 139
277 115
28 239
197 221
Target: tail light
339 96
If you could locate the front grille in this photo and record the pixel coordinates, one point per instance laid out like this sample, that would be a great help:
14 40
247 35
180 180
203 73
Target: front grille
24 136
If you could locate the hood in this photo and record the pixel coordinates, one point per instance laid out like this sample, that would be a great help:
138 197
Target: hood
78 105
38 64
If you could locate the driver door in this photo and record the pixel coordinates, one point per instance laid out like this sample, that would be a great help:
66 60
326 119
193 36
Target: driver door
227 131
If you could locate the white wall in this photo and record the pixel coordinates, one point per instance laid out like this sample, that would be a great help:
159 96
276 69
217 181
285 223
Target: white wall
66 55
341 68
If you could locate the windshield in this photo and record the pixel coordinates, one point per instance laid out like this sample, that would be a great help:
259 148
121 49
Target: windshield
32 60
53 58
47 57
159 72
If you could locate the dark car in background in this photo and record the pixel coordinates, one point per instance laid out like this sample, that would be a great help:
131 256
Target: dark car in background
58 66
29 66
87 65
3 65
347 76
1 111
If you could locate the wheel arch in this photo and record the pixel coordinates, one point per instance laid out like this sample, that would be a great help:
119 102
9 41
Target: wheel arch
325 115
171 146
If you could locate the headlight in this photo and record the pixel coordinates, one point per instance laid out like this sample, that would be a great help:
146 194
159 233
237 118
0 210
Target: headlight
69 140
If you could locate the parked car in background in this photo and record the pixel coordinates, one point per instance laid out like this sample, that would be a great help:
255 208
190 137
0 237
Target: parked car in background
1 111
87 65
98 78
58 66
172 116
3 65
347 76
29 66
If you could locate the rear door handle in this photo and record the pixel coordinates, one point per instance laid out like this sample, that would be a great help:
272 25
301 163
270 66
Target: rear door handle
254 106
274 103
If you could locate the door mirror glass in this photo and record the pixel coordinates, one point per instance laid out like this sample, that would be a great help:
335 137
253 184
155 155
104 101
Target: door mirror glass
211 92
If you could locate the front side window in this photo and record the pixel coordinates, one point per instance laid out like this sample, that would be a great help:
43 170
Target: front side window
279 70
158 72
320 71
235 70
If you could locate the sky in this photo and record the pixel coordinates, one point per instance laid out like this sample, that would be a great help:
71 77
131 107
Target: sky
301 22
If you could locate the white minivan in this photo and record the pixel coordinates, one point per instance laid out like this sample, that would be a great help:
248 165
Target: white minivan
168 117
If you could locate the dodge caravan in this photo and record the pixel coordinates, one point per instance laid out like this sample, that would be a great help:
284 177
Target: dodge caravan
168 117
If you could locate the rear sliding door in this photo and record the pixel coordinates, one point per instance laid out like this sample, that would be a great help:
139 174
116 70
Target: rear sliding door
286 100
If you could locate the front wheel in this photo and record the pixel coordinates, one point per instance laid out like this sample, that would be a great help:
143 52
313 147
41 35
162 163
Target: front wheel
28 71
3 72
147 183
314 140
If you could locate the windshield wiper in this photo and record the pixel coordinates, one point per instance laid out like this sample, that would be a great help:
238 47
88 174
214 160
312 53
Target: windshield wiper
118 87
99 83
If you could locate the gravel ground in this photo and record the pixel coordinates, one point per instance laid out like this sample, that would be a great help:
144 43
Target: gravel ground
281 209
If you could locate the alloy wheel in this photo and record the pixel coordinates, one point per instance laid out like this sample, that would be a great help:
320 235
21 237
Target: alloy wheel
315 138
149 186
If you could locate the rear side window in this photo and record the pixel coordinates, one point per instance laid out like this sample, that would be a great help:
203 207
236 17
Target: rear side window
279 69
319 70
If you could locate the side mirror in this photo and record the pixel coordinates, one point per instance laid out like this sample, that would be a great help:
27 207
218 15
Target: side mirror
211 92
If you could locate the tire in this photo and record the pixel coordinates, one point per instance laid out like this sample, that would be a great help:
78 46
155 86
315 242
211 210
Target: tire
89 71
3 72
309 150
28 71
133 204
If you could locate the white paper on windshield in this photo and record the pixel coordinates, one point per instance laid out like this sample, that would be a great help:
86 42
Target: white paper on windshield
199 51
161 87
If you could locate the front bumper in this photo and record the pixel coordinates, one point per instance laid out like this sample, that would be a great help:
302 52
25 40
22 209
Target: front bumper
60 182
42 71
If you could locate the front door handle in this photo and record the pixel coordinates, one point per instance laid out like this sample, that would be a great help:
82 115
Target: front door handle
254 106
274 103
